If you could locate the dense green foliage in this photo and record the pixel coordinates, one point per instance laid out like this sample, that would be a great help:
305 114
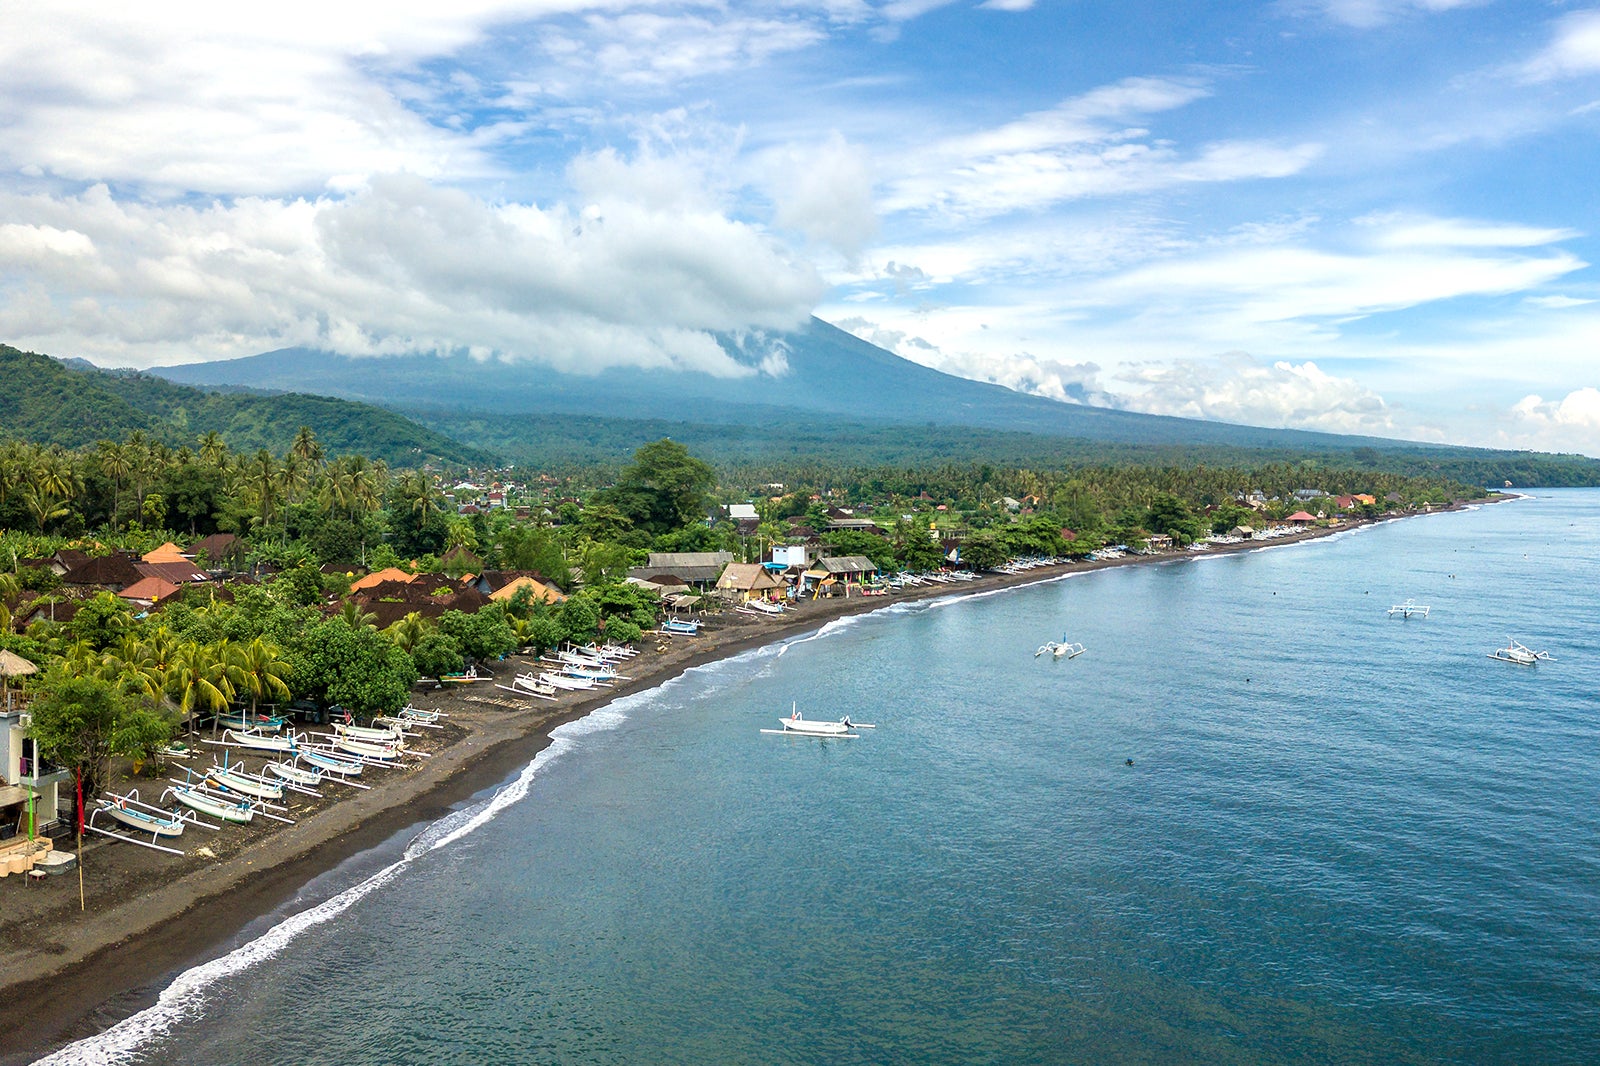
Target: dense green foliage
590 447
50 402
83 722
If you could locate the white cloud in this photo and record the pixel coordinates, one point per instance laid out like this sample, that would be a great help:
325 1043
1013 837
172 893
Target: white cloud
1237 388
186 96
1571 423
1402 231
825 192
650 48
1556 303
402 266
1365 14
1574 50
1022 371
1280 284
1081 148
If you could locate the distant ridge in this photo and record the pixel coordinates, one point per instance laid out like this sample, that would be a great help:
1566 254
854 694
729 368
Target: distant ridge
830 373
72 403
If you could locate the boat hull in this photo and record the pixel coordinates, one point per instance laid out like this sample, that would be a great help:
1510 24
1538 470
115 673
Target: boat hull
144 822
812 728
228 812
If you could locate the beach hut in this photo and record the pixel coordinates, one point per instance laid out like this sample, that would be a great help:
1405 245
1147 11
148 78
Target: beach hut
751 581
1300 519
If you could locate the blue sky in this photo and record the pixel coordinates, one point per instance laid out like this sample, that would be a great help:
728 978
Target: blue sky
1370 216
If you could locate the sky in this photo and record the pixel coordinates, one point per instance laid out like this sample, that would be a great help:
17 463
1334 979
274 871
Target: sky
1365 216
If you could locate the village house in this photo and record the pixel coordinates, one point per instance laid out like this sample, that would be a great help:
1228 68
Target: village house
837 576
751 581
698 569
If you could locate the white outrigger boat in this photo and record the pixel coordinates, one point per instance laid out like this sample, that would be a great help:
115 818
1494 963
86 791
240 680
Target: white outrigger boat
1060 649
370 750
1519 653
374 734
571 684
295 774
417 714
139 818
1408 608
207 802
235 780
242 720
798 725
529 685
259 741
329 763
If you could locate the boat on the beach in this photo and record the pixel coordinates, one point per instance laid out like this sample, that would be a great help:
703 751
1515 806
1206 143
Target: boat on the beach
571 684
259 741
376 734
1408 608
328 762
294 774
1519 653
680 627
141 817
417 714
245 720
235 780
373 751
207 802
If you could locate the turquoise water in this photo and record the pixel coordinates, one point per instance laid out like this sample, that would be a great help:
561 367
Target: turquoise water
1343 838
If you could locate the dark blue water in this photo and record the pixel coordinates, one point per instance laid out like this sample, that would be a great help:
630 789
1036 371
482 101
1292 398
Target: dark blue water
1343 838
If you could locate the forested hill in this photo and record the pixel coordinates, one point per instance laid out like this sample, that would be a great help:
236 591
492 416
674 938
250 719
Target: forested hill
50 402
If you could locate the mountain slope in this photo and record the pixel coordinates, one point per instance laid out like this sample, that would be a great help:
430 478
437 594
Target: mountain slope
830 372
73 404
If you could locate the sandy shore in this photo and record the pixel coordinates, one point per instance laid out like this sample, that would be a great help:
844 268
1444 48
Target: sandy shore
69 973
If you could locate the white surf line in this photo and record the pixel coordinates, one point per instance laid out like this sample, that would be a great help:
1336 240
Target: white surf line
188 994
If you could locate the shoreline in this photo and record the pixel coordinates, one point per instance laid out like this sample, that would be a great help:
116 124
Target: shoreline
73 974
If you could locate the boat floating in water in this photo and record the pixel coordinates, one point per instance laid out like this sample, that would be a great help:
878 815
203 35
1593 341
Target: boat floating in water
1519 653
1408 608
799 725
1060 649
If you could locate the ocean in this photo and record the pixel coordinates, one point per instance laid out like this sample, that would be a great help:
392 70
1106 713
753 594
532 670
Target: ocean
1343 837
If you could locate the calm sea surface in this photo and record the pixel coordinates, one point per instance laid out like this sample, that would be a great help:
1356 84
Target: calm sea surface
1343 838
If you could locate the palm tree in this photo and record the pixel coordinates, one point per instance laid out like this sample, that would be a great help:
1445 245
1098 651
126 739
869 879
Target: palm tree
354 616
42 505
306 447
424 500
116 464
198 681
261 476
213 449
261 671
408 631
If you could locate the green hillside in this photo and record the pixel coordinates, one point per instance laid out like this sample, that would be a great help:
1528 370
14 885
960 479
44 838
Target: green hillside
782 440
51 402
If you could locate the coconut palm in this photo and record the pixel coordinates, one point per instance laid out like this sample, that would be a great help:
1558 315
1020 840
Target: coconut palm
306 447
261 478
116 464
212 448
354 616
261 671
198 681
408 631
